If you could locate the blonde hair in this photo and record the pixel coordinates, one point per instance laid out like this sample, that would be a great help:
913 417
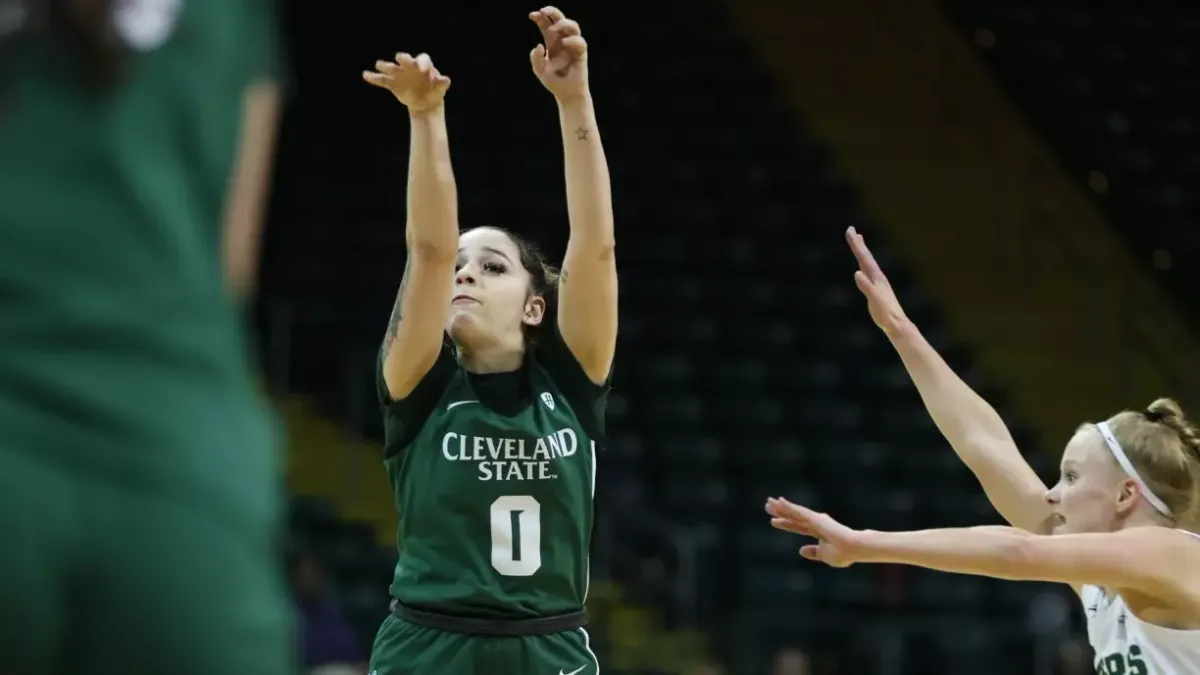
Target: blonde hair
1164 447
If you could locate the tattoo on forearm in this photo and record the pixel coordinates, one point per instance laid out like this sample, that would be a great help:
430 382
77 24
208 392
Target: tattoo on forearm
397 313
581 134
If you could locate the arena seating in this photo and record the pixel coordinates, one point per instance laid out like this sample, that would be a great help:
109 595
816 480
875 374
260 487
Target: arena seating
747 364
1117 87
357 565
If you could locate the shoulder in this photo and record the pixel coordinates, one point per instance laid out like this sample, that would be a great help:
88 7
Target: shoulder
587 398
1169 557
432 383
553 354
403 418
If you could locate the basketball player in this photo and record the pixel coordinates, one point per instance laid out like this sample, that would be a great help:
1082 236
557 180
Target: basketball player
1122 519
491 433
138 481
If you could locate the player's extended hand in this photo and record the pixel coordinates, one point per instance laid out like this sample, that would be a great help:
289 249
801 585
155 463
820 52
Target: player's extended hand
560 61
836 544
413 81
881 299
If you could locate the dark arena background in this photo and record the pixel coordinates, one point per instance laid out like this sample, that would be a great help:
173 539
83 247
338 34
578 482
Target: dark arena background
1026 170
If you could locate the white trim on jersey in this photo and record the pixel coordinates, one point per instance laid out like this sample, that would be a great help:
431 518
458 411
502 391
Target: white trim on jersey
587 563
587 645
593 469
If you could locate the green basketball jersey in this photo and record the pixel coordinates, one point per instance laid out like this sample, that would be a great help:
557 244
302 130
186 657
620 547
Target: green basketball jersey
493 477
114 313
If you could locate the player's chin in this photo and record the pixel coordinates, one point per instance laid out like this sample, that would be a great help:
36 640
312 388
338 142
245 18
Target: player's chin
1058 525
464 326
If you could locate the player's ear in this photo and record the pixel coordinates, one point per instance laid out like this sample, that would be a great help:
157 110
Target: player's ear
535 310
1127 497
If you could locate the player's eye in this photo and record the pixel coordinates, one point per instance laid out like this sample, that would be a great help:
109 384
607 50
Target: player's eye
1070 477
494 268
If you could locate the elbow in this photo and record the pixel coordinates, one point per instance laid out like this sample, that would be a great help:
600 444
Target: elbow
599 243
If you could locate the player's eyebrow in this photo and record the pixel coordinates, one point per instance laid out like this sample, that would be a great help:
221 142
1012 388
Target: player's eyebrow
489 249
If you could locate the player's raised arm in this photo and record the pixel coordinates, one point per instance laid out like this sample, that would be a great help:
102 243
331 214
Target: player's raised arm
1159 562
587 316
249 186
414 333
972 426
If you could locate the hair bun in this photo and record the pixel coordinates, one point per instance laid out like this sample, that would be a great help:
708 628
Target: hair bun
1166 411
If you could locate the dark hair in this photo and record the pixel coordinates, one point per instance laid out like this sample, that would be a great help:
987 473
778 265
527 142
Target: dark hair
543 280
86 27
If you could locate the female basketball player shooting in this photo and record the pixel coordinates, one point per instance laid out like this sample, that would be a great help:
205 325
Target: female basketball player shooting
1122 517
490 434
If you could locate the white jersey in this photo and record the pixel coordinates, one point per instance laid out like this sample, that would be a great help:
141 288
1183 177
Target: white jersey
1126 645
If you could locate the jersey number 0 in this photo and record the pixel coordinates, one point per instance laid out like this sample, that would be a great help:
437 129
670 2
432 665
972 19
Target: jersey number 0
516 535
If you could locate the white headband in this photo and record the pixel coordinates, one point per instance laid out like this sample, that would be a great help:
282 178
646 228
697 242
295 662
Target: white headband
1111 441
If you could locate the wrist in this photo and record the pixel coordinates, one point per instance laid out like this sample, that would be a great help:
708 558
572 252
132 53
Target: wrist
427 112
904 330
868 546
574 101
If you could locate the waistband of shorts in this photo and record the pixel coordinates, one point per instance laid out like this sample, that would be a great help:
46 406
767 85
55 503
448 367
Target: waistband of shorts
542 625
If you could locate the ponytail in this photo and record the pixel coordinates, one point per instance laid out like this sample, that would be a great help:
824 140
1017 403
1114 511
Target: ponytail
1167 414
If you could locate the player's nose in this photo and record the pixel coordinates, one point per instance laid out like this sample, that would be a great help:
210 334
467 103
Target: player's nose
1052 496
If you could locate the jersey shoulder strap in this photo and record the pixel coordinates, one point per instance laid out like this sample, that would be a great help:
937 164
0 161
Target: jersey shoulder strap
403 418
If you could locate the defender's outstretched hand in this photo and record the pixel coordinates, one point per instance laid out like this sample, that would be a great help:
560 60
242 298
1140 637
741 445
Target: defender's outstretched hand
413 81
881 299
836 544
560 61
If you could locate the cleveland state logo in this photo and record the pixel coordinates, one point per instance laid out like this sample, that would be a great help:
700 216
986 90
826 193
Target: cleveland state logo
548 400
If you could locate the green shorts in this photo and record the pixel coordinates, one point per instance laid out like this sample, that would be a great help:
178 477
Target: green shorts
103 576
404 648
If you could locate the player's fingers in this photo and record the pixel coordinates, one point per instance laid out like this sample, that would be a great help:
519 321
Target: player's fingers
811 552
537 58
864 284
788 525
424 63
405 60
575 46
375 79
866 259
386 67
790 510
857 247
553 14
540 19
565 28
